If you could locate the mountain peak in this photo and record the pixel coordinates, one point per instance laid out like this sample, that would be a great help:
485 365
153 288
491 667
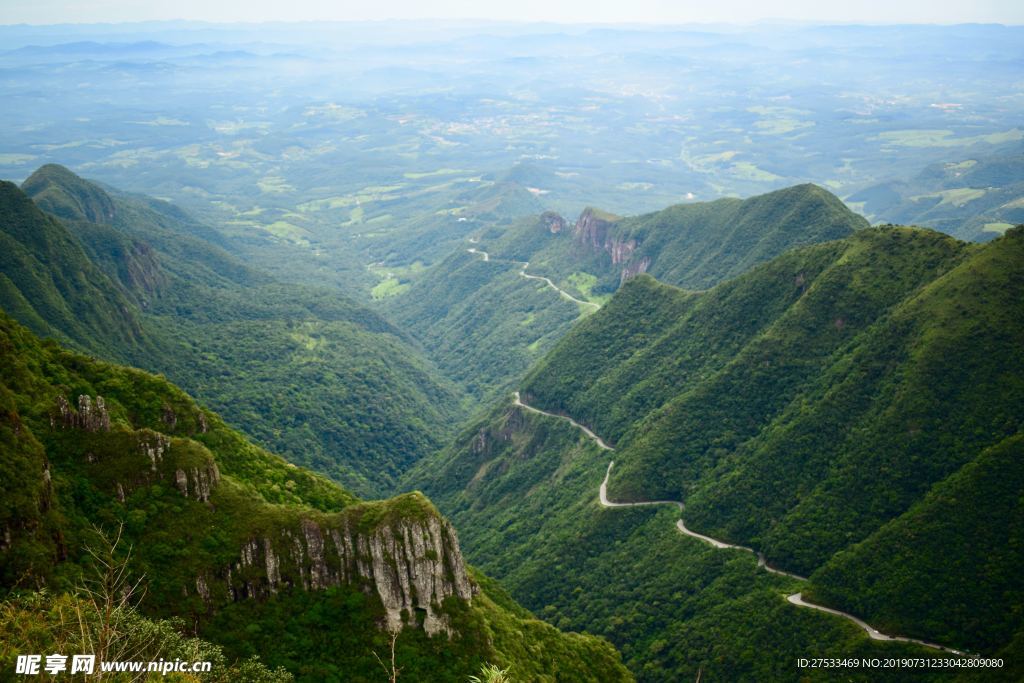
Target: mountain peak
57 190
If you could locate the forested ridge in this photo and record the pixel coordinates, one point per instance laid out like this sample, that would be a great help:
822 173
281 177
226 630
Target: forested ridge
307 372
193 504
484 325
840 408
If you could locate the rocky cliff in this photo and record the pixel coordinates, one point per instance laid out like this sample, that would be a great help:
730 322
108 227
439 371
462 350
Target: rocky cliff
411 562
402 551
595 231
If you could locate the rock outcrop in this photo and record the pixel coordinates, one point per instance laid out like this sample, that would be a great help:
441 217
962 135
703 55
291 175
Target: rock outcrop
411 561
591 228
553 222
91 416
197 482
594 230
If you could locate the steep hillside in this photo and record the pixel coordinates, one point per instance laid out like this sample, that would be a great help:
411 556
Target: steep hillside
49 283
694 246
484 322
523 488
255 554
841 409
353 398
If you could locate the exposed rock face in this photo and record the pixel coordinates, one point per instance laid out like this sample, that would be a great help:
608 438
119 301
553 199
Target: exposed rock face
90 416
197 482
412 564
591 229
596 232
633 269
154 446
141 271
553 222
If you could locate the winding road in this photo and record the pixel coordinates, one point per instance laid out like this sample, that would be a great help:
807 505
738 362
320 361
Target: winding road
522 273
598 440
795 599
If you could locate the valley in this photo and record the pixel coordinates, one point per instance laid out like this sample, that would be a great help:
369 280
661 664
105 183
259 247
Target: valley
439 350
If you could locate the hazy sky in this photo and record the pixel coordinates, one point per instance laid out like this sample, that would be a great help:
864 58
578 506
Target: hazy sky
655 11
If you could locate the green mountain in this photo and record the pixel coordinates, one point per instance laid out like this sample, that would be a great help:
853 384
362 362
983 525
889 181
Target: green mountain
49 283
484 323
850 409
253 554
135 279
694 246
481 321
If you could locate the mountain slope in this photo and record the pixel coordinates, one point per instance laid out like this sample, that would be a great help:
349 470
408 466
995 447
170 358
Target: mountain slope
354 398
484 323
841 408
48 281
524 490
693 246
884 368
260 556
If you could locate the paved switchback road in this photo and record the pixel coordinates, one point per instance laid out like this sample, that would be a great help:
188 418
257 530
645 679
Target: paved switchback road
522 273
795 599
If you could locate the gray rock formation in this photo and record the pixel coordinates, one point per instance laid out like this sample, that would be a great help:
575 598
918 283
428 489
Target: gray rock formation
90 416
596 232
412 564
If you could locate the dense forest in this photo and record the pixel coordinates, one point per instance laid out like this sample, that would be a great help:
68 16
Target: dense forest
769 405
485 324
765 395
273 566
308 373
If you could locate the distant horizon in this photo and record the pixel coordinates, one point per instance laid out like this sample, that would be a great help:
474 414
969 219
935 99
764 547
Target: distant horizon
768 21
569 12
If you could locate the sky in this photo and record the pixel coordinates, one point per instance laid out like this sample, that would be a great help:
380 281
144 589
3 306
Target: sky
562 11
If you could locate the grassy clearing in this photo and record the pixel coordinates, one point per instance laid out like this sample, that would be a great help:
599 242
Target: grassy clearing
997 227
273 184
781 126
391 286
960 166
403 272
955 197
584 283
288 231
428 174
355 216
944 138
371 193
